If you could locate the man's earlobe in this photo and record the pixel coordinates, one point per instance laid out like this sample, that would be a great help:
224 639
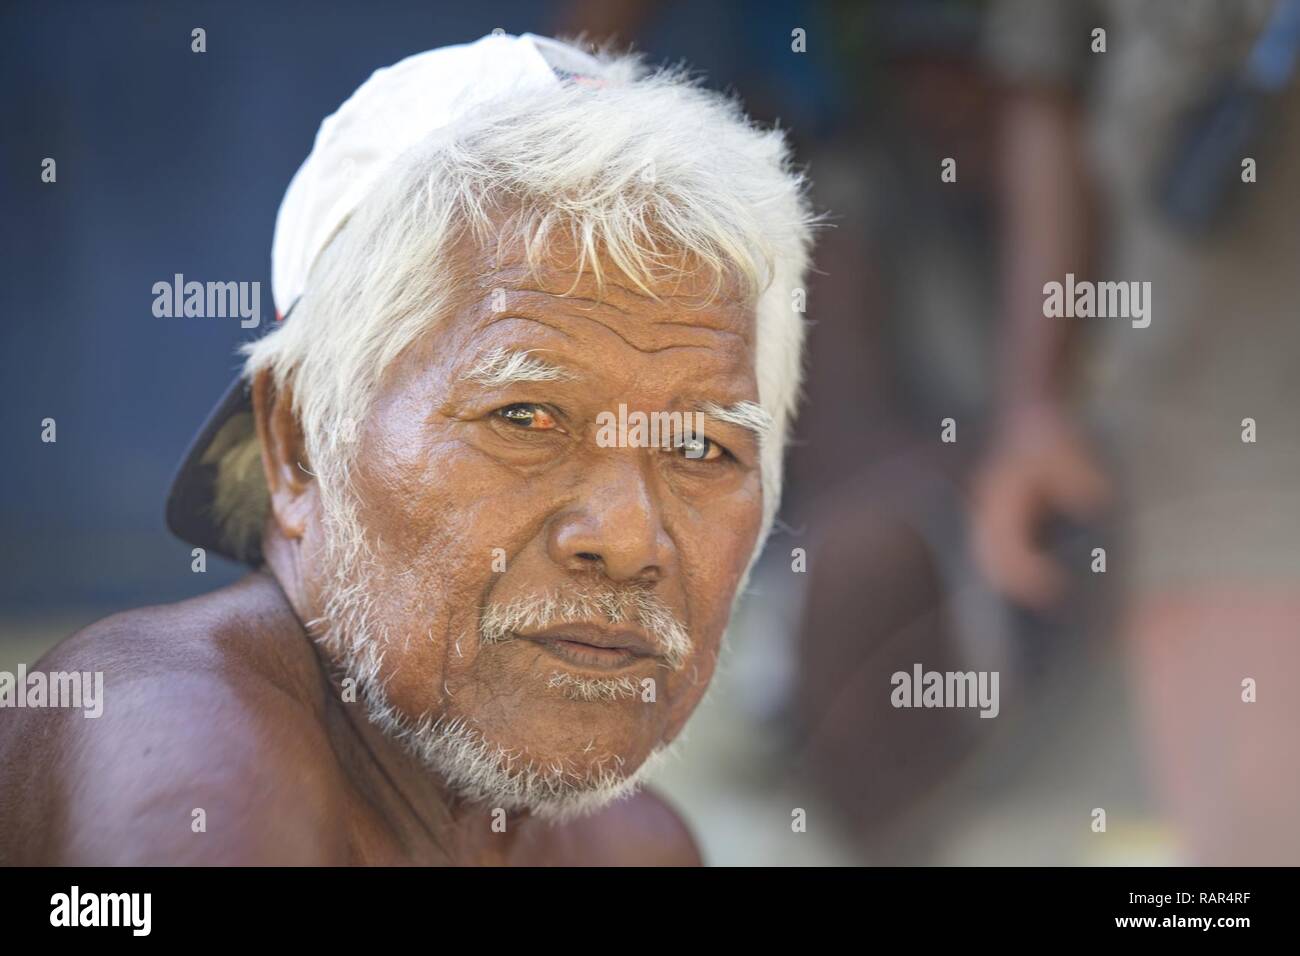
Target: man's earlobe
289 478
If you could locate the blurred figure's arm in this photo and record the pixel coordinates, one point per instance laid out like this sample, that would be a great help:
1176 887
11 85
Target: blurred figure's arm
1038 464
1044 234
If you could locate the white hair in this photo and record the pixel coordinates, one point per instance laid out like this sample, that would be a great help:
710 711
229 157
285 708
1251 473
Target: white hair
503 366
578 687
500 622
651 171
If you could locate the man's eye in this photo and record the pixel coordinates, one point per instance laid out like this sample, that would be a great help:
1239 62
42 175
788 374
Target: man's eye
532 417
699 448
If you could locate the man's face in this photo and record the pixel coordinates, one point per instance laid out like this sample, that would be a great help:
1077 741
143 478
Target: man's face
484 492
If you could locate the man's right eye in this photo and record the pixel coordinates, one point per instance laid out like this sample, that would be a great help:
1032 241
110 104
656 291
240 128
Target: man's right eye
528 416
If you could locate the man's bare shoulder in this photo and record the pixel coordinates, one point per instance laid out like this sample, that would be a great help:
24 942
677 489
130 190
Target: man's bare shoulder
209 745
642 830
246 629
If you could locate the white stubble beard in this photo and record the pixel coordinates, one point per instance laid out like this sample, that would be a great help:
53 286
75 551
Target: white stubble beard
472 767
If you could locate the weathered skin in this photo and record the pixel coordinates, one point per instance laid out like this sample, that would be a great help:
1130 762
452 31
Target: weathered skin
224 703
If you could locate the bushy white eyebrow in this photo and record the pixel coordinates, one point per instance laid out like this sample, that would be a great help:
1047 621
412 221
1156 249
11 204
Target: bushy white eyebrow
501 367
749 415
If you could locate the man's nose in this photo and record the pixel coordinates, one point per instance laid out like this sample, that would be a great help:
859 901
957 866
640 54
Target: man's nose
615 524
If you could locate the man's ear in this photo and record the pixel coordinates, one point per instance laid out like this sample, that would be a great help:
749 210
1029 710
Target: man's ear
289 481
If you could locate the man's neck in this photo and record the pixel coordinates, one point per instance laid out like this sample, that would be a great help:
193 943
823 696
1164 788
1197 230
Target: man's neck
429 823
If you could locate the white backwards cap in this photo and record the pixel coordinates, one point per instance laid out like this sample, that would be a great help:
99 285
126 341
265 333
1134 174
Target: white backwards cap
389 113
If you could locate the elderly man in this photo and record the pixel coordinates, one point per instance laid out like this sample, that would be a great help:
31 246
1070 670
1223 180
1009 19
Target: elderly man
474 620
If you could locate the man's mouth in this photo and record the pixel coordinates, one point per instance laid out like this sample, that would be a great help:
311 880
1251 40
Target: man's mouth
597 648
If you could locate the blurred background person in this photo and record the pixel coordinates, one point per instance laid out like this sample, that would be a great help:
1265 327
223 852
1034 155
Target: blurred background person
1129 164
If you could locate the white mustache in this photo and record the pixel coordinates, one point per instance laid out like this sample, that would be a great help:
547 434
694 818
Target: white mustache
499 622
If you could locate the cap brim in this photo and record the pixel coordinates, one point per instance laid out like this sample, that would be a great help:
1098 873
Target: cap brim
190 514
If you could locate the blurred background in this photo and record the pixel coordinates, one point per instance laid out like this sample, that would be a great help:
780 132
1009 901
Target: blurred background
1155 683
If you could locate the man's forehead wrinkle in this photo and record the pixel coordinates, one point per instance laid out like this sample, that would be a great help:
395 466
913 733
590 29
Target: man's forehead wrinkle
610 285
727 319
515 317
582 300
643 350
661 349
706 334
730 386
744 333
648 349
